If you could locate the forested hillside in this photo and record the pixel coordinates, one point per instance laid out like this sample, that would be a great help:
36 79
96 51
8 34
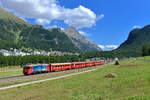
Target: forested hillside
136 40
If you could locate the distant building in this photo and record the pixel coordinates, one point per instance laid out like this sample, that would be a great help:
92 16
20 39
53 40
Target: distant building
17 52
6 52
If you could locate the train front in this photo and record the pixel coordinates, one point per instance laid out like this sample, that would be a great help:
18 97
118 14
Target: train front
27 70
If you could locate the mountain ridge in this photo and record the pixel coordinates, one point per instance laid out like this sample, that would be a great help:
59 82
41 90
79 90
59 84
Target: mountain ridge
136 40
10 17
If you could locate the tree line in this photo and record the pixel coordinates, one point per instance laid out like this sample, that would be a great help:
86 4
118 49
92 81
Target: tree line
23 60
111 54
146 50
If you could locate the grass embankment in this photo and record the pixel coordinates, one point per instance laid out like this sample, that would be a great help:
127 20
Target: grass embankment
132 83
144 58
10 71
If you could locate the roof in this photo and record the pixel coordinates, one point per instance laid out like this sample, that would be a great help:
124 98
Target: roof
60 63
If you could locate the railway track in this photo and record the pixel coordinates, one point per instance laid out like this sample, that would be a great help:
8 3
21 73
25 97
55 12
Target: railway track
11 76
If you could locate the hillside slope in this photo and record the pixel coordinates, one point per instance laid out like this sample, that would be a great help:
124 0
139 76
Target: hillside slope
137 38
7 16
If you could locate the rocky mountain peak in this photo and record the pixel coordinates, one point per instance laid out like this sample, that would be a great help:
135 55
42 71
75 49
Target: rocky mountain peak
71 29
73 32
80 41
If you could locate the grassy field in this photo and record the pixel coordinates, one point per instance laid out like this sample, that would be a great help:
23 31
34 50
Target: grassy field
10 71
132 83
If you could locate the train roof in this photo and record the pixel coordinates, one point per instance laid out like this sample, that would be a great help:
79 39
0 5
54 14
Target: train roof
34 64
60 63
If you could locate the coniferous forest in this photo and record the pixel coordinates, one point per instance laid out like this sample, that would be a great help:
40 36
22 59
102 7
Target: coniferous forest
23 60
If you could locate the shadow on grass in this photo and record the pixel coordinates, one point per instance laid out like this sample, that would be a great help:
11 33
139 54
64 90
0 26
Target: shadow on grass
138 98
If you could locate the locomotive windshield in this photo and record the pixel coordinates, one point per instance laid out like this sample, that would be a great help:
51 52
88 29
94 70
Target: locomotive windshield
26 67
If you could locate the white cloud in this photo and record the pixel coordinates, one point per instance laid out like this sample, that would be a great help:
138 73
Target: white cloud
136 26
47 10
111 46
102 46
42 21
62 28
84 34
108 47
55 26
100 17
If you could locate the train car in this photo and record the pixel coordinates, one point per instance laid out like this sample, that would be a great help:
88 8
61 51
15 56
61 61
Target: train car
83 64
36 68
78 65
101 62
61 66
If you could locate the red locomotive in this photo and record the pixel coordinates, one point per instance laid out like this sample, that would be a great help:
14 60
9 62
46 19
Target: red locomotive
43 68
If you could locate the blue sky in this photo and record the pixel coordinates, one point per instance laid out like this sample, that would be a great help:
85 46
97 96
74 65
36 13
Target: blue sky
117 17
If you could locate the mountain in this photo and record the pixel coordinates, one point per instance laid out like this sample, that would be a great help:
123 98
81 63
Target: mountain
136 40
80 42
17 33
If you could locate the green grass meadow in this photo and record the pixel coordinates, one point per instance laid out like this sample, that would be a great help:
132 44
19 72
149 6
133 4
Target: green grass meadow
10 71
132 83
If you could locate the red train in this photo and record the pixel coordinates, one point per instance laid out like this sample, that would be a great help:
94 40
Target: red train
43 68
